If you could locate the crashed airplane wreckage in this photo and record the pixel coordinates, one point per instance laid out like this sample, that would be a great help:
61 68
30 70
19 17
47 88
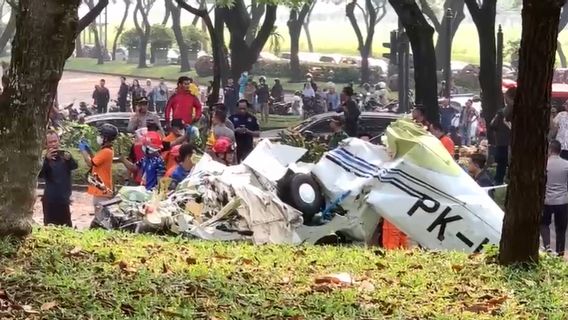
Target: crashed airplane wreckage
271 198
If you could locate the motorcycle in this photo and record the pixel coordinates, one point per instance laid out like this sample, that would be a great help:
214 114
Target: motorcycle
279 107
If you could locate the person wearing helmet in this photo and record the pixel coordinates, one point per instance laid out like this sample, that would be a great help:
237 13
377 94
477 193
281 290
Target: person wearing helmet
151 165
310 80
263 96
381 93
100 163
223 151
183 154
277 92
142 117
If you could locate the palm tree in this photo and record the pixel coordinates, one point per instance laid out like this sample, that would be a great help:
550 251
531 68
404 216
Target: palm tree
275 41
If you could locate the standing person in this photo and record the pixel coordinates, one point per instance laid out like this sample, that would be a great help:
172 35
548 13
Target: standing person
56 172
246 129
219 128
419 116
502 130
263 95
136 91
243 82
338 135
447 113
152 166
148 91
448 143
231 96
476 169
467 118
122 95
101 97
561 125
250 93
332 98
177 130
556 198
100 164
160 96
183 105
142 116
351 113
182 169
277 92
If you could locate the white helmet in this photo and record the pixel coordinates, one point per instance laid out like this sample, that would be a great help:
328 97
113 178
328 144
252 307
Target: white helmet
382 85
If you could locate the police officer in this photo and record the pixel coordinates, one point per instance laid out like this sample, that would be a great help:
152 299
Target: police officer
246 129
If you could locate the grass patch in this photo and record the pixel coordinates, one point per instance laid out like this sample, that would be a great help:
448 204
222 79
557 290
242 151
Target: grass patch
100 275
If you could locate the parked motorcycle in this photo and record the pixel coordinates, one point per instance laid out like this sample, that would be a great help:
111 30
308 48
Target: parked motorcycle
279 107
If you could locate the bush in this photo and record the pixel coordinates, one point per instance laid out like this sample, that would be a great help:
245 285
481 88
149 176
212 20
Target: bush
130 38
316 148
161 37
195 38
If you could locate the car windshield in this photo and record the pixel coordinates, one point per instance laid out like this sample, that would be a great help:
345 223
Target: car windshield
302 125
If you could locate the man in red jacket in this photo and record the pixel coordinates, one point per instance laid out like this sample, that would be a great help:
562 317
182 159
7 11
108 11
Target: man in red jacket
183 104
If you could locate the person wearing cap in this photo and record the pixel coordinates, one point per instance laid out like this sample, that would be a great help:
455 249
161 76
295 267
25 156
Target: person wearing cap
152 165
338 134
142 117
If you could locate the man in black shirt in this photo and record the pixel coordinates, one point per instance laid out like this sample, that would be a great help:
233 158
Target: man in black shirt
277 92
231 95
122 94
101 96
56 171
263 95
351 113
246 128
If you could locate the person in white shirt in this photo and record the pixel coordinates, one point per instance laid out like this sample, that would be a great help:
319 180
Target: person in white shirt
560 125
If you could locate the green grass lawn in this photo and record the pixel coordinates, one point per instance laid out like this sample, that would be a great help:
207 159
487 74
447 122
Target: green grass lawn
65 274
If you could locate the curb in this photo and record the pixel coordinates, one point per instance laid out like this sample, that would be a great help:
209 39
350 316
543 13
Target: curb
131 76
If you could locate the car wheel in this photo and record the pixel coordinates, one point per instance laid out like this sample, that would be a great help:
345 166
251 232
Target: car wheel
302 192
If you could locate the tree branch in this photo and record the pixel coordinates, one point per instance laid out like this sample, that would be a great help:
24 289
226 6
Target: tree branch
365 14
349 12
427 10
473 9
198 12
383 13
563 18
265 30
91 15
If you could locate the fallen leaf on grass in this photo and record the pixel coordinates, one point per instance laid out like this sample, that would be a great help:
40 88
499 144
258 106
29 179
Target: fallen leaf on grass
478 308
245 261
190 260
48 306
285 280
487 306
75 251
124 267
165 268
127 309
457 267
28 309
366 286
333 281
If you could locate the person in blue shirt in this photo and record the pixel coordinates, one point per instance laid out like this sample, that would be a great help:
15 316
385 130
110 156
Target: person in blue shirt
152 165
246 129
184 154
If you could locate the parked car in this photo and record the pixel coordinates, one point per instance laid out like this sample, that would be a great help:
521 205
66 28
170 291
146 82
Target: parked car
118 119
173 56
121 54
372 123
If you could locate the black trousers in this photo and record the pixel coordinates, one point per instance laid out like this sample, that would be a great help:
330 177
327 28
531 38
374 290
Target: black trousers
560 213
56 213
502 161
102 108
242 153
564 154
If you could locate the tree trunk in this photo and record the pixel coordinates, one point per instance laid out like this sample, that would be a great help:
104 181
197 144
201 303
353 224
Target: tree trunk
295 22
561 55
219 30
256 12
202 6
8 31
308 37
484 19
143 33
420 36
248 54
120 29
166 16
350 13
457 7
365 71
79 47
531 116
176 27
98 48
45 34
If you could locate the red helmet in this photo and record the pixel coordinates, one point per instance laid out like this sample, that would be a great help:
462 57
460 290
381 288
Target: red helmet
222 145
153 141
175 151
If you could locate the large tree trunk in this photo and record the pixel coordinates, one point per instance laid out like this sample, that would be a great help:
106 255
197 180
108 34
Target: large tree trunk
457 7
176 27
295 23
45 34
235 18
420 36
219 30
98 48
120 28
484 19
8 31
531 116
364 46
79 47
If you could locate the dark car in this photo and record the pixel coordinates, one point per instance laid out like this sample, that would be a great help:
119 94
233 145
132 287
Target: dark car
372 123
118 119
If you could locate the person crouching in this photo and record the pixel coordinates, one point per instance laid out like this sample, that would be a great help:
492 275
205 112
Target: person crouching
183 154
151 165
